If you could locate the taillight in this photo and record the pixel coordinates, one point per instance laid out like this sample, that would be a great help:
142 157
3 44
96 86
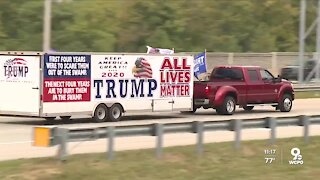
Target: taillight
207 90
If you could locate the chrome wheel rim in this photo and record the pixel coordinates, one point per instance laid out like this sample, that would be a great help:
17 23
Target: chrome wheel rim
230 106
287 103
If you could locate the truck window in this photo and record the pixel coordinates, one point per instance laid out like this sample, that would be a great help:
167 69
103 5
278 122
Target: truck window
227 73
266 75
253 75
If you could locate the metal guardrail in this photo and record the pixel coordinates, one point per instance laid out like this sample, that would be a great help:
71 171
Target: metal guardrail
61 136
306 87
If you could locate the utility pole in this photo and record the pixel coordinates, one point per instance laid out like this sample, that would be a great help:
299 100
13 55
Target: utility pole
318 43
47 25
316 23
302 38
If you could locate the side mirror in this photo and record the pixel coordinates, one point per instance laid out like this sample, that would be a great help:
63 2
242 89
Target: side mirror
277 79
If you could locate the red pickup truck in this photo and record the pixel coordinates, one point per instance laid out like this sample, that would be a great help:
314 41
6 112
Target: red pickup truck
246 86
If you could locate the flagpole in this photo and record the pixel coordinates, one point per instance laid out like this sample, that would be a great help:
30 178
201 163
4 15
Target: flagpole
205 57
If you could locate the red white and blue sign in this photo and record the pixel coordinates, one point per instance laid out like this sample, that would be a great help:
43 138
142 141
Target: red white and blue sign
67 78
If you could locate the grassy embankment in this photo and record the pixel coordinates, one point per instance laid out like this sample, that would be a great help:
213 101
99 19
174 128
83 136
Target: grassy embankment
310 94
219 161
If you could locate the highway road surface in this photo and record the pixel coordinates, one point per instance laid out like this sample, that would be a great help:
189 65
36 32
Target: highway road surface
16 132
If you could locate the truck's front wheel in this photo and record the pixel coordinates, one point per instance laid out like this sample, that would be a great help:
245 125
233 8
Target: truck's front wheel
285 104
228 107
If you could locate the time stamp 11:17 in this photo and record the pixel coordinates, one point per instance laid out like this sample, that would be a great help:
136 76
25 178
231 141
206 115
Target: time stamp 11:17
270 155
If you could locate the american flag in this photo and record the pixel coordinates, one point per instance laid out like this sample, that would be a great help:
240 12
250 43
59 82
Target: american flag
16 61
144 69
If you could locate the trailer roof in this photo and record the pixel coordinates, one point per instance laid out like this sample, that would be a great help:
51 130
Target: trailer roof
87 53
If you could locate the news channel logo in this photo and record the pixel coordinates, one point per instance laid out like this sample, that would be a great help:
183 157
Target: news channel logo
297 157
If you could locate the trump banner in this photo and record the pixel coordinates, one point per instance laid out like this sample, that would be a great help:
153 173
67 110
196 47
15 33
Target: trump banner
200 66
152 50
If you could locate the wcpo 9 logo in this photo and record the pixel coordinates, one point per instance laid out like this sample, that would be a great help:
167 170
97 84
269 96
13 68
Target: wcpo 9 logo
297 157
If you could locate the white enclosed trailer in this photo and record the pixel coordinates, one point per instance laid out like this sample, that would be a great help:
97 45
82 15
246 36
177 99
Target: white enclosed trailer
101 85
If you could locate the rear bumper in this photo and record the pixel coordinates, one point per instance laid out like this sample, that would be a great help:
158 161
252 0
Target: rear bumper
201 102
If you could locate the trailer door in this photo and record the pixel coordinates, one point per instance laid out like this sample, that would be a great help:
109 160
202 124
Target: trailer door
159 105
20 85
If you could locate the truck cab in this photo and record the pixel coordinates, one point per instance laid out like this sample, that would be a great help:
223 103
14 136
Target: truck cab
246 86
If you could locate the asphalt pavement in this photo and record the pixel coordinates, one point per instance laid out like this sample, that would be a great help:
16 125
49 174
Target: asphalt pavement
16 132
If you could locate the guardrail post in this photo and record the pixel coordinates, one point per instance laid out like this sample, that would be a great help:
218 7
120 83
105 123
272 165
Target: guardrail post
110 137
62 138
199 130
236 126
272 123
159 141
230 58
95 134
305 122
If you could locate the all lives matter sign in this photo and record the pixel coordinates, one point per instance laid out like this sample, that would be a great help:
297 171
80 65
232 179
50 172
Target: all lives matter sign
66 78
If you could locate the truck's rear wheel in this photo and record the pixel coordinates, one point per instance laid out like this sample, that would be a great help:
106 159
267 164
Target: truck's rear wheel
115 112
101 113
248 108
228 107
285 104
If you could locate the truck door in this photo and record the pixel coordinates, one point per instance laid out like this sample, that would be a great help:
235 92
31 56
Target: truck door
270 88
255 86
19 82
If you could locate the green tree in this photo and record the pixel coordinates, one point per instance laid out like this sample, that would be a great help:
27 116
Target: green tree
86 26
130 25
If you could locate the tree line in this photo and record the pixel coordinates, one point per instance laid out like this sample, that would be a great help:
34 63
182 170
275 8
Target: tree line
130 25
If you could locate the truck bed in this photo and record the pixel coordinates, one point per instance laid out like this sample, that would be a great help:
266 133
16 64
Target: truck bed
199 89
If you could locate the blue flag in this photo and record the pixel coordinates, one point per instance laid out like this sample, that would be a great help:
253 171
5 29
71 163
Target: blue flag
200 65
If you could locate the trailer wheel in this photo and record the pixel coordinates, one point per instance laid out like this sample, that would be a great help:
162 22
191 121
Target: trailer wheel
49 120
65 119
115 112
101 113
